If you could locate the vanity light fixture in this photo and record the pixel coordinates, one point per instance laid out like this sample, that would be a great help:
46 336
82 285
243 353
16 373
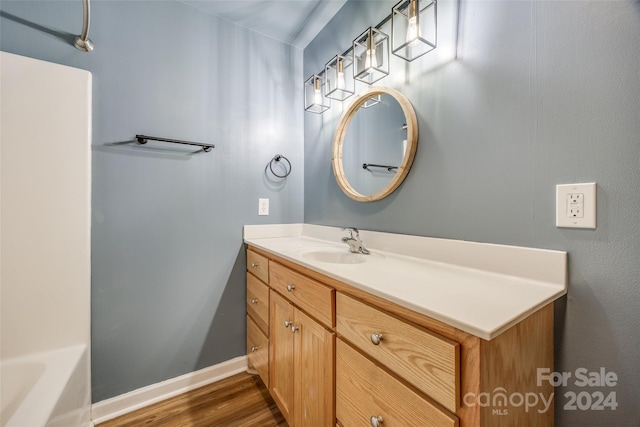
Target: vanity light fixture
414 33
314 99
371 56
338 78
413 28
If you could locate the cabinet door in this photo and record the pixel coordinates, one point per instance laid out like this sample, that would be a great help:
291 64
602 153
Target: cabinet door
315 373
281 351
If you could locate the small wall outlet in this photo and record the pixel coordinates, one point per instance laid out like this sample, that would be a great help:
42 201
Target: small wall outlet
263 206
576 205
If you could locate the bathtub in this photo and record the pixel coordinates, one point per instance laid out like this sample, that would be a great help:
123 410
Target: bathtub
47 389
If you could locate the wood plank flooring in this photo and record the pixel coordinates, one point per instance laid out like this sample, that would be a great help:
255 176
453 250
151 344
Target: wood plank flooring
238 401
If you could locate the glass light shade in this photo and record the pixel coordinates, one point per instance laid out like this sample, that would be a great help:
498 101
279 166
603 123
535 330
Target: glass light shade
413 28
314 99
338 78
371 56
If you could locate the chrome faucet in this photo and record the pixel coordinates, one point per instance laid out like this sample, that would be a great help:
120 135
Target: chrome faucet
354 242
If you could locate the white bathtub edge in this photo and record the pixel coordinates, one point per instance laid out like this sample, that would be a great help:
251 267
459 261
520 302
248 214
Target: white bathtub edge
109 409
38 408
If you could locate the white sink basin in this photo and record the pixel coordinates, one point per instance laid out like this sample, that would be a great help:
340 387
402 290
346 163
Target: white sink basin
333 256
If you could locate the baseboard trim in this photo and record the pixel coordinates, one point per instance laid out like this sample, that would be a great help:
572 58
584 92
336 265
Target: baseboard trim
116 406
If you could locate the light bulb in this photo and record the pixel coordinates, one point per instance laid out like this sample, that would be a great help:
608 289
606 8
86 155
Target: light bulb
340 81
317 94
412 31
370 60
412 28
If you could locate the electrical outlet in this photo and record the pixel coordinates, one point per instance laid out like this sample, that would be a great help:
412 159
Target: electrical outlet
576 205
263 206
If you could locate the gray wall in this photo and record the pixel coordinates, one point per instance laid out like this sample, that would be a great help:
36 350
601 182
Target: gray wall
168 261
540 93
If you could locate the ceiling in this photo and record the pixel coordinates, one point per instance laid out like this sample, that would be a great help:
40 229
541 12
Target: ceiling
295 22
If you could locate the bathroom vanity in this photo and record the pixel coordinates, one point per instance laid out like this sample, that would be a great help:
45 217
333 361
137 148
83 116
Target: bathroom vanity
421 332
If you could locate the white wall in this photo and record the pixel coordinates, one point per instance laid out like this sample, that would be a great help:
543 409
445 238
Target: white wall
45 205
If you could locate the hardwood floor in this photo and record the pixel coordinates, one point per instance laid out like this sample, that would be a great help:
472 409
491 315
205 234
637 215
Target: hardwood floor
239 401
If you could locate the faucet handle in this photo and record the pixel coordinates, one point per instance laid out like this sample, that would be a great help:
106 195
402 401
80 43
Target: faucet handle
352 231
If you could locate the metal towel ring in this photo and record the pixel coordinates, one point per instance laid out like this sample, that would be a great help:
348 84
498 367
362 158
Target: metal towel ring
276 159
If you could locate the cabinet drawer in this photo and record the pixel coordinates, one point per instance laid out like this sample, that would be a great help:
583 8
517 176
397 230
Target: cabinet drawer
426 360
364 390
258 265
258 302
311 296
258 350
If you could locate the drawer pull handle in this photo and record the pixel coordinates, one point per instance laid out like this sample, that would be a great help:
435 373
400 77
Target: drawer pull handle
287 323
290 288
254 264
376 421
294 328
254 300
376 339
254 349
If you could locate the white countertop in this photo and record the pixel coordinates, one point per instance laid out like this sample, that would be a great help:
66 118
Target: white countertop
480 288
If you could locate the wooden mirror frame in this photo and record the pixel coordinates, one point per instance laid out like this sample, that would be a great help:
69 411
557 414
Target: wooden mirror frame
410 153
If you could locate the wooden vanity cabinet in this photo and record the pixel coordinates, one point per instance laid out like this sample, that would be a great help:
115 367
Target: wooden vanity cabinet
340 356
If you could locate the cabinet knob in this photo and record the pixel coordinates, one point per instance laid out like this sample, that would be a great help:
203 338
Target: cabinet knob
376 338
294 328
254 349
290 288
287 323
254 300
254 264
376 421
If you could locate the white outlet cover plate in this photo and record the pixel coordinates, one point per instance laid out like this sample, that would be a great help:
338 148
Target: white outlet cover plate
263 207
564 218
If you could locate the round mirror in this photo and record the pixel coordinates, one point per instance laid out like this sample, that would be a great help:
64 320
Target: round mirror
375 144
